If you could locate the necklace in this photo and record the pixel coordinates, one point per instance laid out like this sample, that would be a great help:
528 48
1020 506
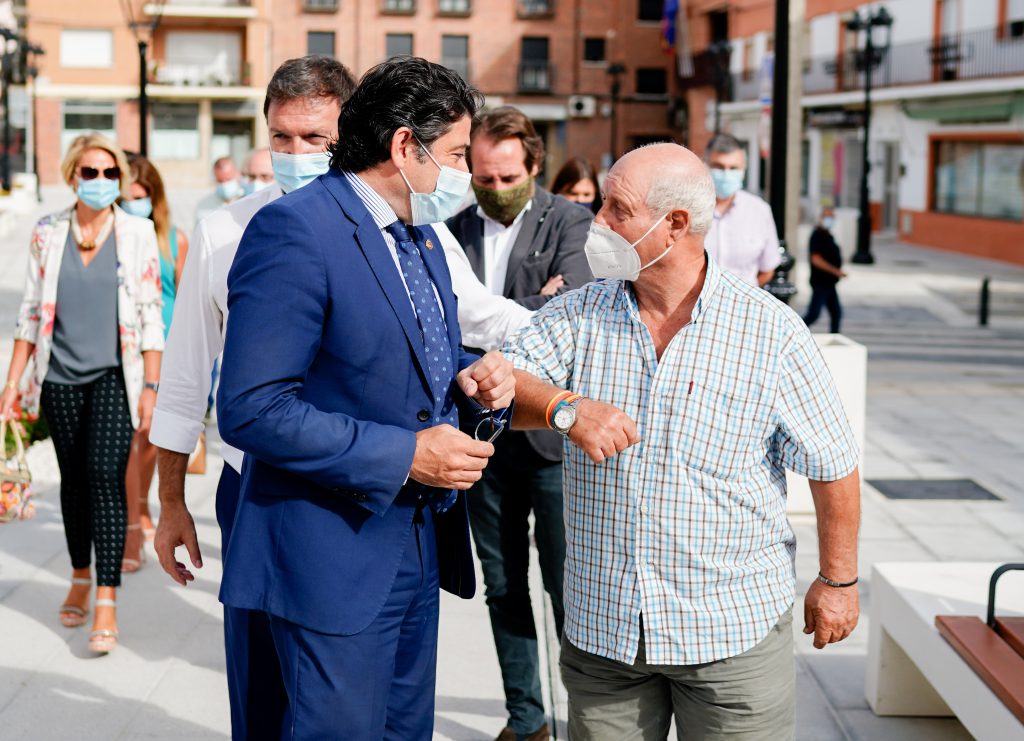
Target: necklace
88 245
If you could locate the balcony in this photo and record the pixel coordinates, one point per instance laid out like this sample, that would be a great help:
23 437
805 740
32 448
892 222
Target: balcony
536 76
455 8
968 56
535 8
198 73
398 7
240 10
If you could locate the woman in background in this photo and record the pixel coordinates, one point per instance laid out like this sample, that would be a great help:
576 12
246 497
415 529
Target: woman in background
90 323
577 181
148 199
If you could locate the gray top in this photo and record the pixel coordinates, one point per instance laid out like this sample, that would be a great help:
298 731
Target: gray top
85 341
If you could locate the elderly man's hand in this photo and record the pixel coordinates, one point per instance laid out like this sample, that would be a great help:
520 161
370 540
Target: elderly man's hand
601 430
830 613
489 381
176 528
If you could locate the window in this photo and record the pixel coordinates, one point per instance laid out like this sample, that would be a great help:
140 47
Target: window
649 10
398 45
404 7
534 68
175 132
718 25
455 54
85 116
651 81
1015 19
594 50
320 6
454 7
979 179
320 42
86 48
533 8
202 58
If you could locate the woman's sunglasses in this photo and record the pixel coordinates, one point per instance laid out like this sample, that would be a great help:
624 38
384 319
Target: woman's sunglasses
91 173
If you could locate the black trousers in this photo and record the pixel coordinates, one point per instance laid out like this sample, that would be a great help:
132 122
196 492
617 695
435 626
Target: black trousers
92 432
824 294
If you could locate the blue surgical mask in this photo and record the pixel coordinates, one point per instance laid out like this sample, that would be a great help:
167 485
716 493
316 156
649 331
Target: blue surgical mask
292 171
727 182
446 199
139 207
828 222
254 186
229 190
98 193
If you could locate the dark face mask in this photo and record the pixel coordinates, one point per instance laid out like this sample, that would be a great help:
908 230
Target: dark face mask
504 205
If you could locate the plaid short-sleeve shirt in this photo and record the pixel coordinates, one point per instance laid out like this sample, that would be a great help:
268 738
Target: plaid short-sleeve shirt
688 528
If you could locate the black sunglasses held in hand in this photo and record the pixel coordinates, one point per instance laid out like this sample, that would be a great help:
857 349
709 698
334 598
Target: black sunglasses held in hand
91 173
489 427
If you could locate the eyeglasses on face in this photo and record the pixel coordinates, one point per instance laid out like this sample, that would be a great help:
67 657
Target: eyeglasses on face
489 427
91 173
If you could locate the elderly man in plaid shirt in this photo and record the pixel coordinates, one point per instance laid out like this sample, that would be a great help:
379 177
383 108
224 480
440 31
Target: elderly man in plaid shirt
685 394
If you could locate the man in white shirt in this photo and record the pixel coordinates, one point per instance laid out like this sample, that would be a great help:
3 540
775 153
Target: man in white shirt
742 238
302 106
228 189
258 172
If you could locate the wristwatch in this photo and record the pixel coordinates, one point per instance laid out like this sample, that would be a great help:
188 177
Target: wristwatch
151 386
564 416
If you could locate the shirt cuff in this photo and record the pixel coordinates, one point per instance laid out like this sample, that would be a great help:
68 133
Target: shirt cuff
174 432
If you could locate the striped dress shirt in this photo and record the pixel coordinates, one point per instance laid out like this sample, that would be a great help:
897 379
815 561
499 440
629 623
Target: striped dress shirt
688 528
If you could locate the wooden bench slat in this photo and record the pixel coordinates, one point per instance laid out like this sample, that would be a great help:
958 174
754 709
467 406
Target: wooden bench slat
1011 630
991 657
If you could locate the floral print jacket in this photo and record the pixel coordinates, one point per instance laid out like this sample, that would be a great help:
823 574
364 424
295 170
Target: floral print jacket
139 300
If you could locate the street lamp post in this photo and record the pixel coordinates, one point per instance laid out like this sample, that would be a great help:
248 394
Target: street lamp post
143 100
615 71
871 58
143 30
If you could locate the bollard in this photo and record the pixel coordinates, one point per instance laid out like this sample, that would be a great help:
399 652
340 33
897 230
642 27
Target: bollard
983 304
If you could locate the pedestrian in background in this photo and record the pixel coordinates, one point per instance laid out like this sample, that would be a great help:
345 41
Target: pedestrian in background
577 182
742 238
826 272
90 321
258 172
228 189
148 199
527 245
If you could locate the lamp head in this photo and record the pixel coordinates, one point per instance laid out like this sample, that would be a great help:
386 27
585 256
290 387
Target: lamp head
882 18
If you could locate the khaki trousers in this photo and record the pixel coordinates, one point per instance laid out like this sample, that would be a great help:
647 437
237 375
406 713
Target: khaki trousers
746 697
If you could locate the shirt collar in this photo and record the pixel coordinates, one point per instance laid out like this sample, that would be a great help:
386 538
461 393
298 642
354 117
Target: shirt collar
382 213
712 279
519 217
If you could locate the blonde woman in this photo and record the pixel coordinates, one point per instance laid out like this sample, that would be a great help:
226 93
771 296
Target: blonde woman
90 326
148 199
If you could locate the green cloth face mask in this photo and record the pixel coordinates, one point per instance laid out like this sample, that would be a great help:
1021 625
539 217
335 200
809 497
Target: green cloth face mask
504 205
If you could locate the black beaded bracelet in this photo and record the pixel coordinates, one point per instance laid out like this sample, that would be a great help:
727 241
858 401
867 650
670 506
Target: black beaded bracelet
825 580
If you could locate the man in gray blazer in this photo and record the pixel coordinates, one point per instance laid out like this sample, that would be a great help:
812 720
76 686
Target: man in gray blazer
527 245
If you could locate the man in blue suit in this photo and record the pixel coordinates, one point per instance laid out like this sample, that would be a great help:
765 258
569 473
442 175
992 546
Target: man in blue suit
344 373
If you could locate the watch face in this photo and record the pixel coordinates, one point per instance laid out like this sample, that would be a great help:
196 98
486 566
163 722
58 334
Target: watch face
564 418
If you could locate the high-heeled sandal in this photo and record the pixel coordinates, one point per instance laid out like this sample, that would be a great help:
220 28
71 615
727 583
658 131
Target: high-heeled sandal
131 565
103 641
73 616
148 532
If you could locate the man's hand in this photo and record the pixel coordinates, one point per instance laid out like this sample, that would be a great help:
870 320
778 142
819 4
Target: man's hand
551 287
489 381
830 613
174 529
601 430
447 458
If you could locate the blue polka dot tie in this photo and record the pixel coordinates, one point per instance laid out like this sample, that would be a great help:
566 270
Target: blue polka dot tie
436 347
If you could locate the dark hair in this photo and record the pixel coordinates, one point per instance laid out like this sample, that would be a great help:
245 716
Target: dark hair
511 123
723 144
573 171
314 76
403 91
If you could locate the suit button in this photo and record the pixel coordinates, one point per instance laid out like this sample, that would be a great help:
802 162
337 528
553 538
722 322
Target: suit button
423 415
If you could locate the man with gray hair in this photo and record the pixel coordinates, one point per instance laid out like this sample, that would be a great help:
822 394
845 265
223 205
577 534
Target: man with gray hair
679 578
742 238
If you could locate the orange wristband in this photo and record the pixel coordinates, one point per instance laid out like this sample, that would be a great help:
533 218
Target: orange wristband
561 396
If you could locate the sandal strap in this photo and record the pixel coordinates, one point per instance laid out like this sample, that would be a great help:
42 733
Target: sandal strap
136 526
74 610
81 581
105 603
103 634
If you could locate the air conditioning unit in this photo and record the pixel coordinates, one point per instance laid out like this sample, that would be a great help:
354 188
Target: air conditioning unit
582 106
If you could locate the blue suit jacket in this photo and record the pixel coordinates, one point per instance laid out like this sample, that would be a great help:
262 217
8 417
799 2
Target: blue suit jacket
324 388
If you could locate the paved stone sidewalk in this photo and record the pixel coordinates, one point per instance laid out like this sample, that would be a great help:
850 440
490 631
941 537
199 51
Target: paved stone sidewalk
945 400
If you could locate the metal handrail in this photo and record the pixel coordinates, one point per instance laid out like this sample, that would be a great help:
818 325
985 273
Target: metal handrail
990 617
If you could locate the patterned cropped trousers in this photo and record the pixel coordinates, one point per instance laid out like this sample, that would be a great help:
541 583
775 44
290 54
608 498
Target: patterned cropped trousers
92 431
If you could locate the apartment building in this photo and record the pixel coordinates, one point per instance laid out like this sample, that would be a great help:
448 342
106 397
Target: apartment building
548 57
947 128
207 69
